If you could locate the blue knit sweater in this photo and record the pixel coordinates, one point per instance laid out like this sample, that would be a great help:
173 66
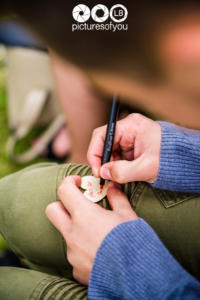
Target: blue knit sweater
132 263
180 159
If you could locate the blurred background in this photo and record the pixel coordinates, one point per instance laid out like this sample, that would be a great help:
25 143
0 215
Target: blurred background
12 35
47 96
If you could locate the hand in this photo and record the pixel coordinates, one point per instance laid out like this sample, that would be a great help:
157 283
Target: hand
85 224
136 151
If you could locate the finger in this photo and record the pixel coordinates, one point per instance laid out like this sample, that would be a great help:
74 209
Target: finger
119 201
127 155
125 134
124 137
115 156
60 218
95 150
71 197
123 171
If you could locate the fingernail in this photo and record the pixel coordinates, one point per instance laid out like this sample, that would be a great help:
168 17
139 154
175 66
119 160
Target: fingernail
105 173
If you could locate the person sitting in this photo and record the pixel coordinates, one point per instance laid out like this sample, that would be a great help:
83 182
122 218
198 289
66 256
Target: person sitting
127 251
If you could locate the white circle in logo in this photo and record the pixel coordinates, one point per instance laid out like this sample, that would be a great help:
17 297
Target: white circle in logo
81 13
100 13
118 13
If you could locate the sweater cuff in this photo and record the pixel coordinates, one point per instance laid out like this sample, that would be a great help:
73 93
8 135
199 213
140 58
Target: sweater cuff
132 261
179 159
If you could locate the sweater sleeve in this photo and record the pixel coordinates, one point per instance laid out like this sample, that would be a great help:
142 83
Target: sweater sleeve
132 263
179 159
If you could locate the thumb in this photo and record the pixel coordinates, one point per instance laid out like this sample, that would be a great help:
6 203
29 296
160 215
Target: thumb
119 201
123 171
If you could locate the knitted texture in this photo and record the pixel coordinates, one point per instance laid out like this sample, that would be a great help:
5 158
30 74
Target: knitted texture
180 159
132 263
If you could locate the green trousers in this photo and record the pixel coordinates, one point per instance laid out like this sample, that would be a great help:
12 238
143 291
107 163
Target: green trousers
23 224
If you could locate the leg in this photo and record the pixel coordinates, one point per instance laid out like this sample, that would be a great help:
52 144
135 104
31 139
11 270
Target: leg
25 195
23 198
23 224
23 284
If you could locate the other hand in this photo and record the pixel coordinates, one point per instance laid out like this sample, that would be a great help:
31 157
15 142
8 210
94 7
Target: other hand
136 151
85 224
